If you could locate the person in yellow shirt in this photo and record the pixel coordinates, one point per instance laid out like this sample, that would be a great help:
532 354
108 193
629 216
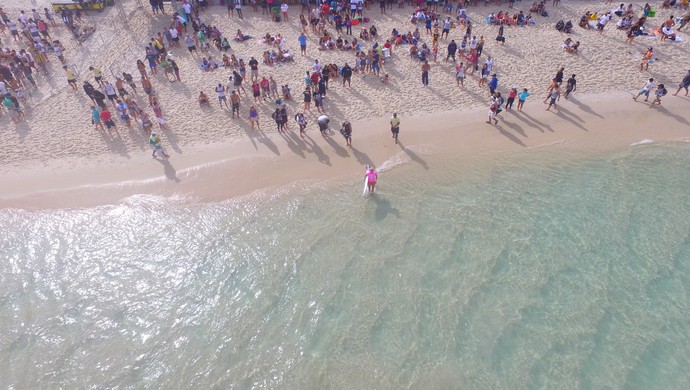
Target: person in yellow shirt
97 74
71 77
395 126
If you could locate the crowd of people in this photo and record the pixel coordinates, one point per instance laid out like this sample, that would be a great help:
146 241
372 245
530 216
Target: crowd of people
336 25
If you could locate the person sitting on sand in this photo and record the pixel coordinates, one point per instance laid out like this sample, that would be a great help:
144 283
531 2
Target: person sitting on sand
203 99
364 34
584 21
240 37
572 49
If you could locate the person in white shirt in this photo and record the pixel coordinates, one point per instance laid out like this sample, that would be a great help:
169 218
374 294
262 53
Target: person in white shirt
284 10
220 91
489 64
603 21
646 89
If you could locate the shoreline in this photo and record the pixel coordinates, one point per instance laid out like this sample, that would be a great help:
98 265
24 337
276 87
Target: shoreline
215 172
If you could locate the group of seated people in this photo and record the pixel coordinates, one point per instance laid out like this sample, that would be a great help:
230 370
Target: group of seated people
503 18
411 38
539 8
275 40
208 64
421 53
571 47
277 56
371 33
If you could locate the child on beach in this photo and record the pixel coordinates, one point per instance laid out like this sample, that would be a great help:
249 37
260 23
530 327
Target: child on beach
660 92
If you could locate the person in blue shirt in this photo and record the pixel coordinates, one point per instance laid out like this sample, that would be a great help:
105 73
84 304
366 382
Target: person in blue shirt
521 98
493 84
303 44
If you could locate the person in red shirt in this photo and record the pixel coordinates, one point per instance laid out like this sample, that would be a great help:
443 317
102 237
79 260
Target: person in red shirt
314 78
265 88
106 118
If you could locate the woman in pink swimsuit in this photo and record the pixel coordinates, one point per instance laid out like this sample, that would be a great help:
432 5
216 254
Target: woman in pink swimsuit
371 179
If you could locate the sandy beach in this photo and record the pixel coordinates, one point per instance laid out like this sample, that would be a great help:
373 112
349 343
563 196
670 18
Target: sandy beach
55 158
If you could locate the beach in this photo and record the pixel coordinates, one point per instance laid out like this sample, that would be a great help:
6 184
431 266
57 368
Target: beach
57 137
549 250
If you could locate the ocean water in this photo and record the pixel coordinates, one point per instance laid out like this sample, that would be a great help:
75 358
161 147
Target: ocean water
542 270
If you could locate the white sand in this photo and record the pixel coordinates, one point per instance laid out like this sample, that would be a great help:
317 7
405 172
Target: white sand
56 148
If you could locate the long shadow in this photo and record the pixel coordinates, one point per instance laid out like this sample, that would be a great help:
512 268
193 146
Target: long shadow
672 115
561 114
383 208
509 135
516 127
339 150
292 145
22 129
169 170
362 158
584 107
172 138
536 121
264 139
568 112
413 156
323 157
115 144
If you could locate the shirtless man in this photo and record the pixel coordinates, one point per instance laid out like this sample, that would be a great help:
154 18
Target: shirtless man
235 101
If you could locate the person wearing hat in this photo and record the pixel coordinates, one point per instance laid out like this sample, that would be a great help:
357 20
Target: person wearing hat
156 145
684 84
323 124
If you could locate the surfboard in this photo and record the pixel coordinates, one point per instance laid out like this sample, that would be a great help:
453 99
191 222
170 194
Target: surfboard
364 193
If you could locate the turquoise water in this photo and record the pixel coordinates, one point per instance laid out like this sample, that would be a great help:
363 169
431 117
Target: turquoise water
544 270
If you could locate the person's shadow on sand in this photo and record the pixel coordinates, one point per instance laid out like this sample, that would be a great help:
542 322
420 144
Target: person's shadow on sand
383 208
168 169
414 156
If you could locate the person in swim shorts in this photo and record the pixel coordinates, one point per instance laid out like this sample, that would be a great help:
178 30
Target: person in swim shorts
395 126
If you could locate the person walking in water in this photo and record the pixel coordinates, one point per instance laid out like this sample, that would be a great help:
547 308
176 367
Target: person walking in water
372 176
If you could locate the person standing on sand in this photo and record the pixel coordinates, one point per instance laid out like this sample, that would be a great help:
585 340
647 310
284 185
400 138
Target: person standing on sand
660 92
395 126
302 122
511 98
452 48
522 96
646 90
493 111
372 177
302 44
684 84
460 74
254 117
493 84
96 118
347 74
425 73
235 101
156 145
71 77
323 124
570 86
555 95
346 131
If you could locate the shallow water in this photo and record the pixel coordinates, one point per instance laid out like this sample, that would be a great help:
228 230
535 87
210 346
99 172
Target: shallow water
543 270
